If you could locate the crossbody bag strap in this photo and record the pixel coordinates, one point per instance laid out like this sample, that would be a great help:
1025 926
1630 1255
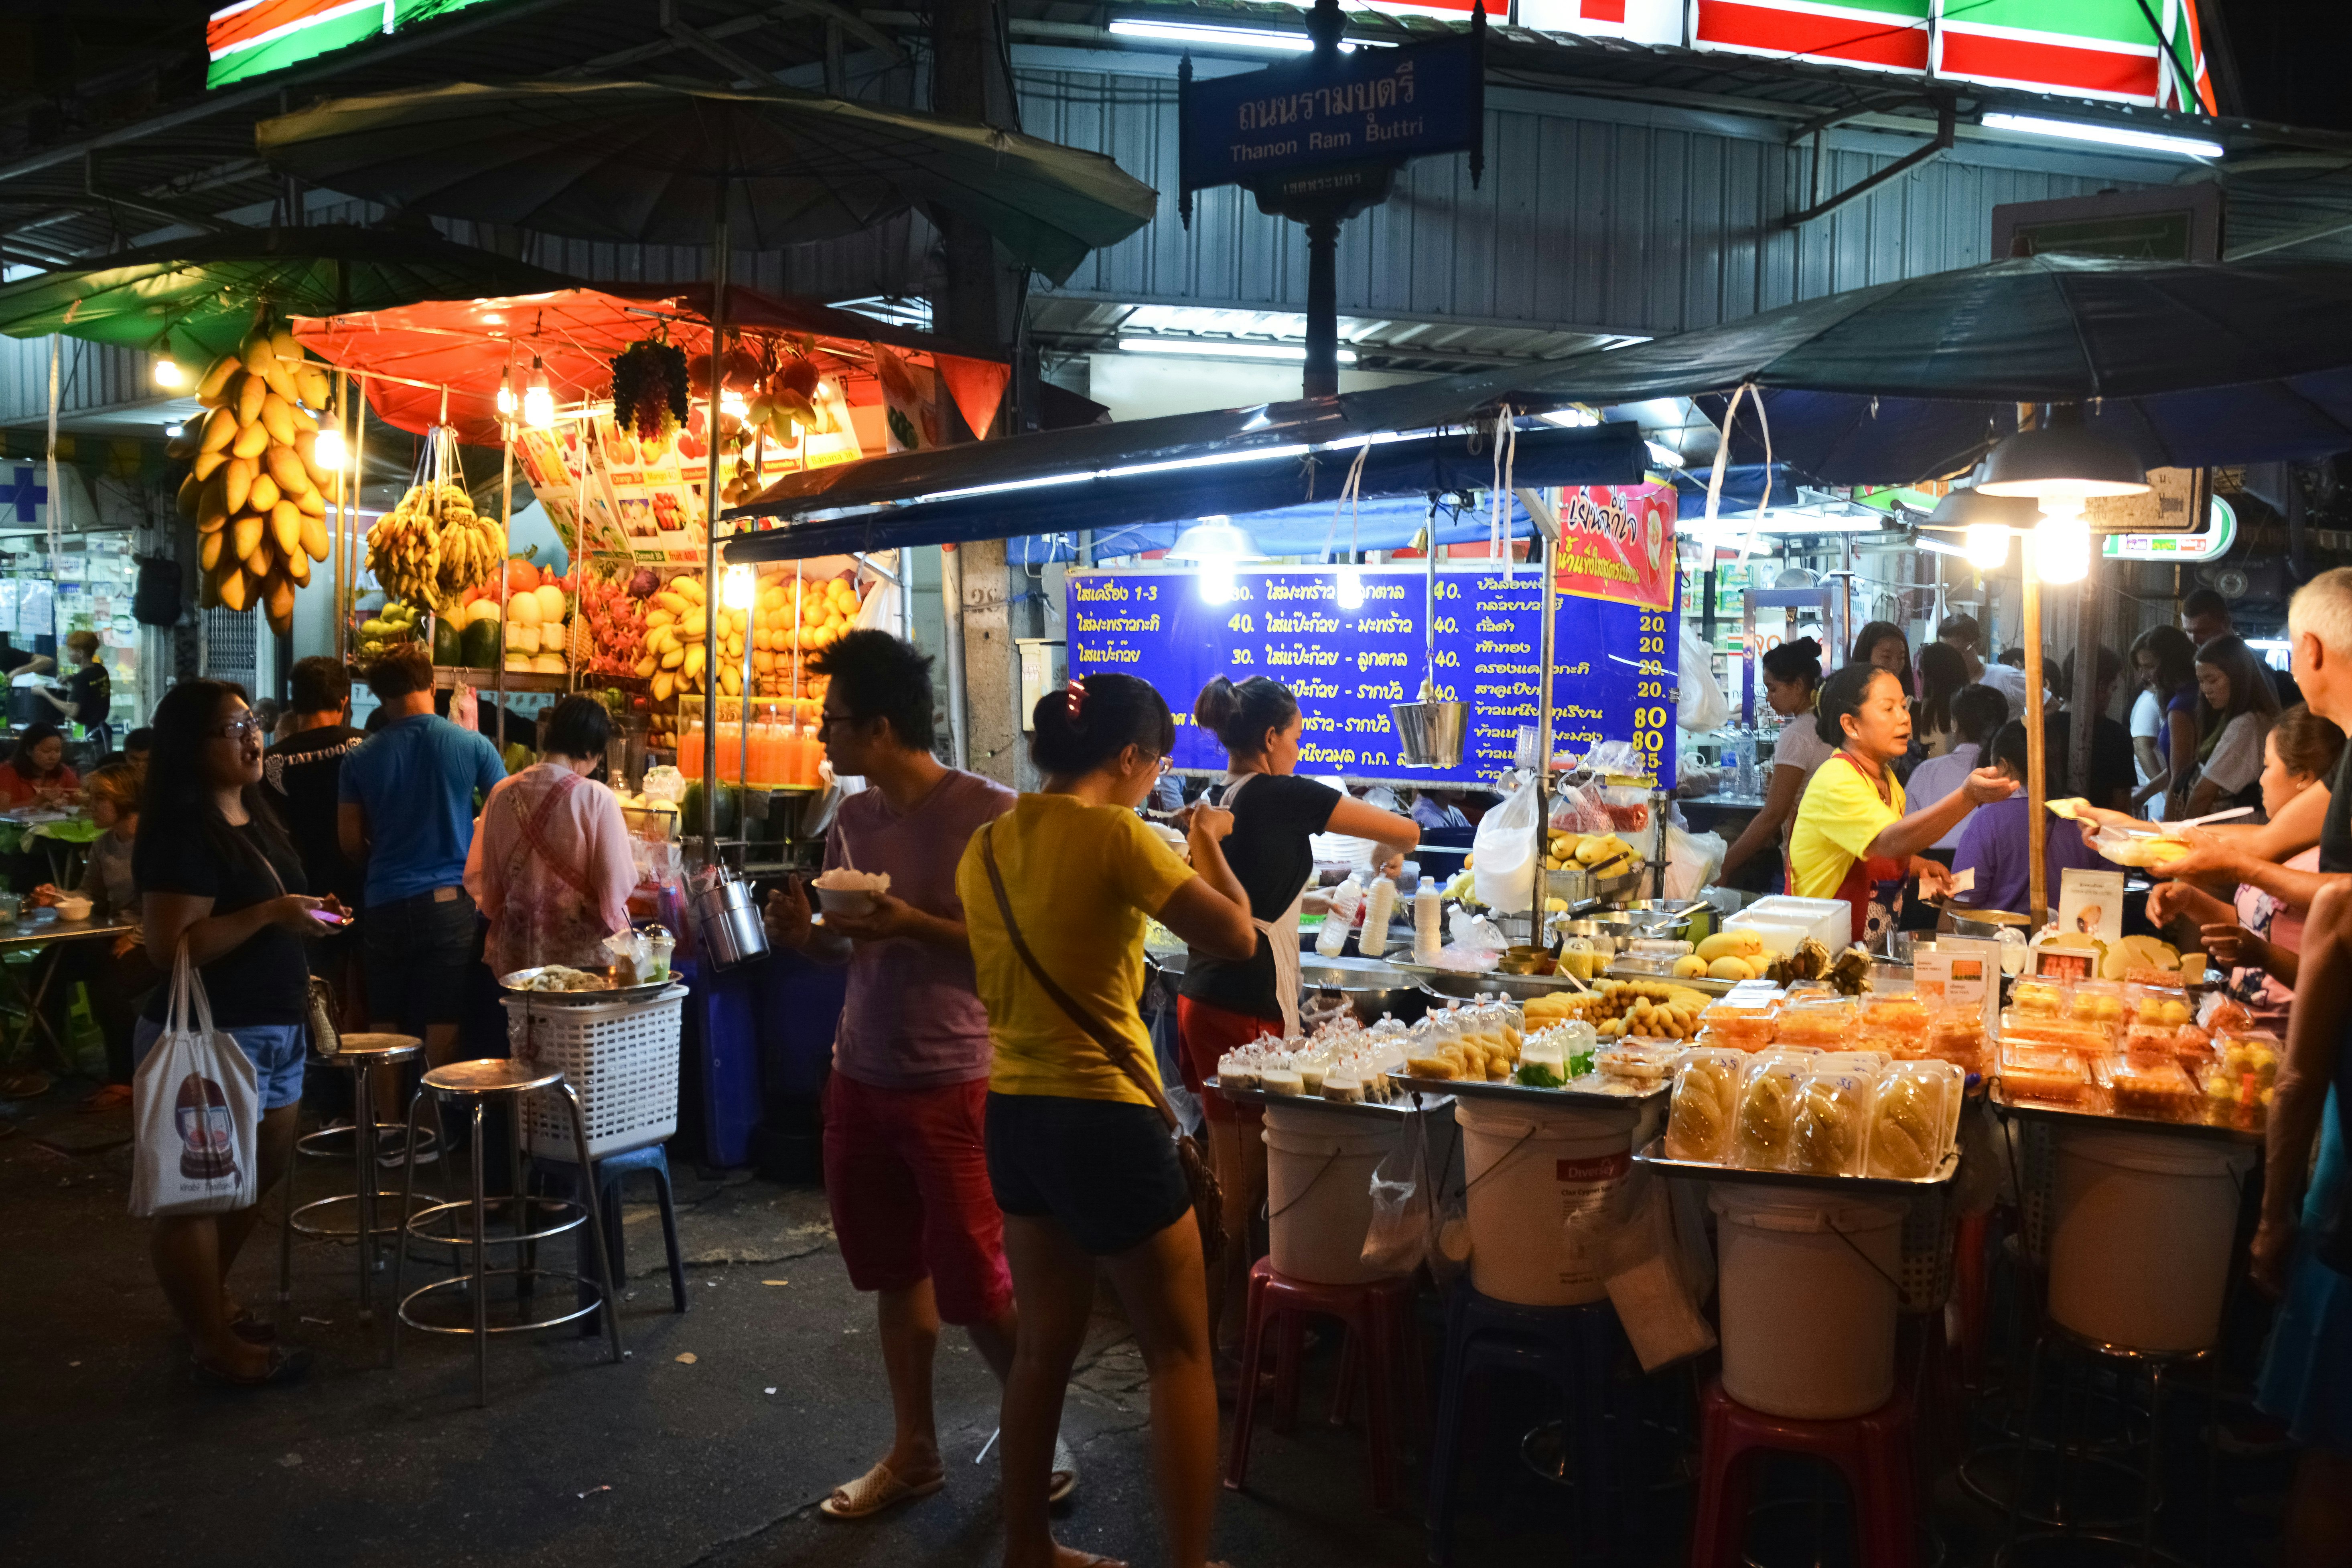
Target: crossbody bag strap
1121 1054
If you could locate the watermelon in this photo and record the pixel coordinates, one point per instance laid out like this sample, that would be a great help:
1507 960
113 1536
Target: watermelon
729 809
481 645
448 643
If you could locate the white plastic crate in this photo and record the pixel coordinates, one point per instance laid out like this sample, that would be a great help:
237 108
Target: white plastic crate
620 1057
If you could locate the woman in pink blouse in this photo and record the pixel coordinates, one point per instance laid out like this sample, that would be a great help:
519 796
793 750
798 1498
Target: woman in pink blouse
551 866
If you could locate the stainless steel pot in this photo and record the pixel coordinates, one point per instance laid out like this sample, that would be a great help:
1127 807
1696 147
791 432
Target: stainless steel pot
732 931
1370 987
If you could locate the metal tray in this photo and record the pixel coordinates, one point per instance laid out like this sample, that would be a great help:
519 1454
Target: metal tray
1521 1095
2064 1116
1654 1154
580 998
1374 1110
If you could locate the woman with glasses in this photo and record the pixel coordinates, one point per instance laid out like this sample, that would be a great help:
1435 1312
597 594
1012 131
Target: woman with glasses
550 867
1055 893
220 879
1222 1007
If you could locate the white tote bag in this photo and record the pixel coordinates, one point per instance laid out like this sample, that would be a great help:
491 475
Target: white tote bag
196 1112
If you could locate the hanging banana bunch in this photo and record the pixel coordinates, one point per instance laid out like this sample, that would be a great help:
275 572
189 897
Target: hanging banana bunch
255 488
432 547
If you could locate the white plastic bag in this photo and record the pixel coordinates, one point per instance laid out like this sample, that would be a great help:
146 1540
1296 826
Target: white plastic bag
1503 855
1649 1279
195 1113
1700 704
1398 1238
1693 859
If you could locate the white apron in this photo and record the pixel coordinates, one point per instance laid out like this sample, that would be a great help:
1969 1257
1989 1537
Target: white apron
1281 933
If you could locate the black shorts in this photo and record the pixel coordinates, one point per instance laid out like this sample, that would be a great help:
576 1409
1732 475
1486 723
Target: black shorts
419 952
1106 1168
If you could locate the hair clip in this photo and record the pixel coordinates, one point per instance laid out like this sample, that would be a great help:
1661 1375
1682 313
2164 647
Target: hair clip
1075 696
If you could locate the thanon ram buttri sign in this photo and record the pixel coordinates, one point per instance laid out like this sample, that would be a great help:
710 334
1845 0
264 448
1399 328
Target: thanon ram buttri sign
1371 104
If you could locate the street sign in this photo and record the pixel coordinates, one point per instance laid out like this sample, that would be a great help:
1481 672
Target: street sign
1319 112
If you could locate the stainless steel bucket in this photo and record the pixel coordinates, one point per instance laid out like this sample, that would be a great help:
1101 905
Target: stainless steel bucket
1429 734
732 931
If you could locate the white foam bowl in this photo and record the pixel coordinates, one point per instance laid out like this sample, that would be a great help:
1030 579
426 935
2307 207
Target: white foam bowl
845 901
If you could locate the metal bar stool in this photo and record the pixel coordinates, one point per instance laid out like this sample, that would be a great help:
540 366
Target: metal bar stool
360 1054
469 1085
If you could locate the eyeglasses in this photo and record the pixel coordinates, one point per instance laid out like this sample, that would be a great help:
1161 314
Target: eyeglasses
1166 764
826 719
238 729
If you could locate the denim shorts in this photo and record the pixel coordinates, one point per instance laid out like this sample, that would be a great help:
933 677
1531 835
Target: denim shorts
276 1050
417 953
1107 1168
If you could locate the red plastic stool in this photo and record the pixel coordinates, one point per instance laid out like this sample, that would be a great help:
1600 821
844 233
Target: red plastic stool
1971 1288
1873 1452
1379 1321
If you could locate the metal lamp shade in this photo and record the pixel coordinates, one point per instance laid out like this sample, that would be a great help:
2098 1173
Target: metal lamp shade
1216 539
2061 461
1429 734
1973 507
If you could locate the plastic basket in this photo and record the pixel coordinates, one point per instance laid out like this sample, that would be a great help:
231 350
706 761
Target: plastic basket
621 1058
1925 1278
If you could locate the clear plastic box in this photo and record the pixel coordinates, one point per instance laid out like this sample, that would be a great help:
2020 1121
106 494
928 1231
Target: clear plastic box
1768 1108
1826 1022
2160 1091
1829 1124
1706 1100
2047 1074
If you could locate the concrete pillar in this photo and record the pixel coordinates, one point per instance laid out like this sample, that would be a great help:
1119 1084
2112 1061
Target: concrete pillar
991 666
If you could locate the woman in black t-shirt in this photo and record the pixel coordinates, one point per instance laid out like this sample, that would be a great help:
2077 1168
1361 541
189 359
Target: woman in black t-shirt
1225 1005
217 874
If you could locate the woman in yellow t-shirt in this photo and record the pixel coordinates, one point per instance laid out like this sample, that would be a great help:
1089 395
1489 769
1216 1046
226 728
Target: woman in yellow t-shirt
1080 1158
1851 833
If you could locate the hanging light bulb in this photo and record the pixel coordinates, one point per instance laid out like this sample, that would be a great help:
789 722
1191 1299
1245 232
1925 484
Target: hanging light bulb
327 451
2062 541
1351 588
167 371
1988 545
1216 583
538 399
740 590
506 393
732 402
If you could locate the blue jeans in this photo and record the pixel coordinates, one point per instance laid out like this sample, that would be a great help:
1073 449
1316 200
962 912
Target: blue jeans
275 1051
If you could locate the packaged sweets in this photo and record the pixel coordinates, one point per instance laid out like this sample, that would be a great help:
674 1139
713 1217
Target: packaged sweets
2160 1090
1826 1022
1744 1025
2163 1004
1768 1107
2049 1074
1826 1128
2254 1052
2095 1002
1957 1036
2045 998
1904 1016
1707 1096
2086 1040
1906 1125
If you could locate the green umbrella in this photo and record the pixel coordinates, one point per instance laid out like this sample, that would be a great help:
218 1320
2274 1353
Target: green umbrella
665 163
197 297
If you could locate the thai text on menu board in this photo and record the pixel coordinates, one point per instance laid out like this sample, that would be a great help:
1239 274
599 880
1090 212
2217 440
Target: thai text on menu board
1345 666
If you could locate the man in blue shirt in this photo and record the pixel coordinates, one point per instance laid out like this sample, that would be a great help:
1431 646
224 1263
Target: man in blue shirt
405 814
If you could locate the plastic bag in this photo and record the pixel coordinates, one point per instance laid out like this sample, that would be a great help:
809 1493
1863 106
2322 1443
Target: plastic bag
1700 703
1503 855
1650 1283
1579 809
1693 859
1397 1241
195 1113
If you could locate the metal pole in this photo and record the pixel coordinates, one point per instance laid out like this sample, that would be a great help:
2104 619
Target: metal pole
2037 827
711 596
506 531
1429 540
339 573
352 568
1322 378
1546 549
951 608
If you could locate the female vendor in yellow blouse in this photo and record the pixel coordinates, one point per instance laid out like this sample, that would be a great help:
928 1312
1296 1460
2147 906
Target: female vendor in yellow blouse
1851 833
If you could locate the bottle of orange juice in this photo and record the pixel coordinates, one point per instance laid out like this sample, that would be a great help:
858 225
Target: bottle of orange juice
689 751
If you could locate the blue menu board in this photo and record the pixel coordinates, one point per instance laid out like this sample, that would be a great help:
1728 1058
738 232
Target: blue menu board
1348 664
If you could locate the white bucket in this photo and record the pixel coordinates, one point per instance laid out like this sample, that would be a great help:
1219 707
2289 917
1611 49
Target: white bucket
1529 1171
2139 1245
1318 1186
1808 1299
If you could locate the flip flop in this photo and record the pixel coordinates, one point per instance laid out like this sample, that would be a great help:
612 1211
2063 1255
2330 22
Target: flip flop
108 1098
1064 1478
252 1330
874 1491
29 1084
285 1366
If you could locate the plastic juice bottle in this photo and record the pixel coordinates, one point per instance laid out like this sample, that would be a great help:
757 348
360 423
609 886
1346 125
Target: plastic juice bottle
730 749
804 753
689 752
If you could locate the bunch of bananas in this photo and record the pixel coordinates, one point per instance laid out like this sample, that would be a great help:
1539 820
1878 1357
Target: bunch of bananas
255 488
433 547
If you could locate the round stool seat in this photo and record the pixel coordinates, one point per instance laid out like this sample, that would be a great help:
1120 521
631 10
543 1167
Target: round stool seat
491 1075
377 1048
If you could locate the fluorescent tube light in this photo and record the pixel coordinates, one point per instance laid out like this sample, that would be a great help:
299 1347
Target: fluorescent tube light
1211 348
1231 37
2108 135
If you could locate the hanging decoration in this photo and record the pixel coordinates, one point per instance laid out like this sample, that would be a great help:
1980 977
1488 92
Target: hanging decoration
650 387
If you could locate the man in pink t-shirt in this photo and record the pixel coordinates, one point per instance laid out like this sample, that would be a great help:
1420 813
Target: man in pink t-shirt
906 1166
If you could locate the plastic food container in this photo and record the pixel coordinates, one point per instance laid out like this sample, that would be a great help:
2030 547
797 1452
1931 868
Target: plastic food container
2047 1074
1830 1123
1910 1120
2095 1002
1647 1064
1816 1021
2254 1051
1767 1108
2145 1004
2084 1040
1905 1016
1749 1025
2126 847
2160 1091
1706 1098
2231 1100
1958 1035
2043 997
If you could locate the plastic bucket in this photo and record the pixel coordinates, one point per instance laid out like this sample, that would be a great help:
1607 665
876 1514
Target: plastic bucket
1528 1172
1808 1300
2139 1242
1318 1184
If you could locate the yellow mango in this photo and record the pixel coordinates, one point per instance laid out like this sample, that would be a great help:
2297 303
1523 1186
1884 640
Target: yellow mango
263 495
252 440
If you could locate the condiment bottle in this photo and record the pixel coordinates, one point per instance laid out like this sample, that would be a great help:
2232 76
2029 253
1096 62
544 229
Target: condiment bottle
1379 906
1428 922
1345 897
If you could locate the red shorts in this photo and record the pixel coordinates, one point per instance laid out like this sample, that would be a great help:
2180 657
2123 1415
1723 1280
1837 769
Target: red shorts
906 1172
1203 1034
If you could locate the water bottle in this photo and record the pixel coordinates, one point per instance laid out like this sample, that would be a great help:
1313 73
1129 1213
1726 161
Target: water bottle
1379 906
1345 897
1428 925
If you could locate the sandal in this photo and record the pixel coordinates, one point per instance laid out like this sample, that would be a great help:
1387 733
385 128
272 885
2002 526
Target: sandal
874 1491
285 1366
109 1097
29 1084
1064 1478
253 1330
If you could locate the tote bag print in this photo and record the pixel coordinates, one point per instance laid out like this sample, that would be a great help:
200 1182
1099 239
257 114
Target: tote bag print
197 1110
